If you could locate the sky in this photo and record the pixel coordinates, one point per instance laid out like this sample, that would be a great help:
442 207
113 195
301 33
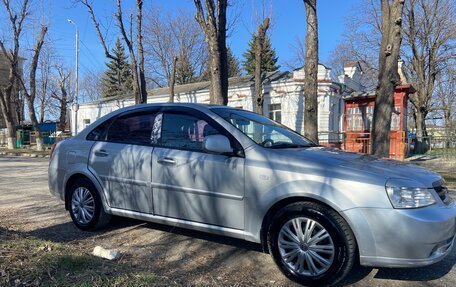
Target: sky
288 25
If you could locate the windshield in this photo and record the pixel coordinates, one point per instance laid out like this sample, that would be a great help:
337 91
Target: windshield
262 130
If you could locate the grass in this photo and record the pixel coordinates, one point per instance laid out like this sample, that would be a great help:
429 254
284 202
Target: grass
442 151
450 177
28 261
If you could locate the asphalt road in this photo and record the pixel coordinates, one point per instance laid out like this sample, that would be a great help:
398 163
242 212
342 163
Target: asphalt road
189 258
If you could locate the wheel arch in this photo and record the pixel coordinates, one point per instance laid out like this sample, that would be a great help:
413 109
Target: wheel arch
81 175
277 206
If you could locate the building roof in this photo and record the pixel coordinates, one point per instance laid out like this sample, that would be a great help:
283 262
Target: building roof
360 94
353 64
241 81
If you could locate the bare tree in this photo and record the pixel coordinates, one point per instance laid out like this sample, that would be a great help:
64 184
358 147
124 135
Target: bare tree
258 95
311 72
446 99
298 54
44 81
173 35
16 22
62 96
388 76
90 87
212 19
30 92
428 32
429 28
138 74
173 80
139 39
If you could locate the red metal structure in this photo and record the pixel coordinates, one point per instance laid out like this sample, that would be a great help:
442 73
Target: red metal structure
358 114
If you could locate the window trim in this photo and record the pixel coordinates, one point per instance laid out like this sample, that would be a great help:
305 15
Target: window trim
238 148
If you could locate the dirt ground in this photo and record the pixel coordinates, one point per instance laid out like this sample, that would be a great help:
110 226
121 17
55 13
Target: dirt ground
187 258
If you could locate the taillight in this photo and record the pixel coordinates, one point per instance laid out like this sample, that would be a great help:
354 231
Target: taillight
53 148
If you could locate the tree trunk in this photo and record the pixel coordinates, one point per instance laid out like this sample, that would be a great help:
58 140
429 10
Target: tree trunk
8 117
213 25
35 124
422 141
63 115
172 82
42 109
139 37
311 72
30 97
63 106
217 94
388 76
258 94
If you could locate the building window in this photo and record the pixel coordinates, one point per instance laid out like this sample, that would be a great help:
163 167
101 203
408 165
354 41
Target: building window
368 118
395 119
86 122
275 112
354 119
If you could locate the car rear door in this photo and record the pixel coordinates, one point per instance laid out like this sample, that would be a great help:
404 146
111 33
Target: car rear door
123 161
190 183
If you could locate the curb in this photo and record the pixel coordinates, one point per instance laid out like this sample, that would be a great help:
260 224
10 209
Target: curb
24 154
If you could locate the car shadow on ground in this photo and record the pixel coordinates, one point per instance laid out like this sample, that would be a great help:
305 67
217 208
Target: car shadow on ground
67 233
420 274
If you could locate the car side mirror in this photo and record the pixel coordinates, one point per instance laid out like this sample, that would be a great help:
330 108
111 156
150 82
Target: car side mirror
217 144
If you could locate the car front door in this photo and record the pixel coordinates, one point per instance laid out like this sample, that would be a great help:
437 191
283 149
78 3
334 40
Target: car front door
123 161
190 183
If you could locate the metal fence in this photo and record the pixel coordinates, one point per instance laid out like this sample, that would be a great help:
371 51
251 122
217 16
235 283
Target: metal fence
27 138
433 142
438 143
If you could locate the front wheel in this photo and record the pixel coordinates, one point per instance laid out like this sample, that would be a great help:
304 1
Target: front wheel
85 206
311 244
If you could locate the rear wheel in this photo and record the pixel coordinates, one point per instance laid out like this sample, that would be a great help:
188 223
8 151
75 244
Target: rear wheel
85 206
311 244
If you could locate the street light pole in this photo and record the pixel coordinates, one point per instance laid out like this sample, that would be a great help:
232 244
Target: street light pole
76 104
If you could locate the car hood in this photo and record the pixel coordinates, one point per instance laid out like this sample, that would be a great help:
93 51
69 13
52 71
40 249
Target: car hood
362 163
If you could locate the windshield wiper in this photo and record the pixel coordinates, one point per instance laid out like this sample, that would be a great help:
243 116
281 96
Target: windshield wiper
289 145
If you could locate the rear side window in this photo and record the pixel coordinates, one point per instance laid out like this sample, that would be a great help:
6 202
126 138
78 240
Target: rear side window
134 128
99 133
184 131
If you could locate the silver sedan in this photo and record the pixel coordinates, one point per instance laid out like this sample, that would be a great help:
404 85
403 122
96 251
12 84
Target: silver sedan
228 171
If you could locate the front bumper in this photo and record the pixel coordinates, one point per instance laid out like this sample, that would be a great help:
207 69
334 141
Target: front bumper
403 237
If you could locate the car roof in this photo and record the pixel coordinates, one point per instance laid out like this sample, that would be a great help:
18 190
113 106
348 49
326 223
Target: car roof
196 106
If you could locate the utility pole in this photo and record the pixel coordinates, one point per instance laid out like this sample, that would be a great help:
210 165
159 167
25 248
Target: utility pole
76 104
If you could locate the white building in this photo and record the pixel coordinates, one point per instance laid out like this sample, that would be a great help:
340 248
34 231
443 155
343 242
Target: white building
283 98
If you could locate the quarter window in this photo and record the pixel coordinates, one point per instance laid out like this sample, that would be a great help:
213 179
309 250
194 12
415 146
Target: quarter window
99 133
133 129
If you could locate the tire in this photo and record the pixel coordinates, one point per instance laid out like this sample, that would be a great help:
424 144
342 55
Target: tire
89 215
329 237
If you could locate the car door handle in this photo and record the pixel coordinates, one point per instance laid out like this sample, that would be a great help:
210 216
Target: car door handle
166 160
101 153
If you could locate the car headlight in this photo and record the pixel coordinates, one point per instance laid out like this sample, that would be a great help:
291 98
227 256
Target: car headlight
405 193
